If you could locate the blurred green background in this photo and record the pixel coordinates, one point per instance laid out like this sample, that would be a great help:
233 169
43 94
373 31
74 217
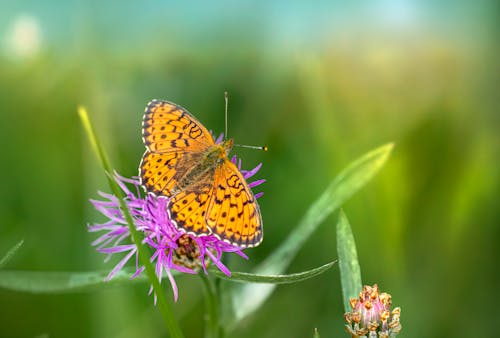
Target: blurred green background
320 84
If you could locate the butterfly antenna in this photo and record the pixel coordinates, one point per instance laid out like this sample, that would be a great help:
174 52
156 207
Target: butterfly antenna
264 148
226 98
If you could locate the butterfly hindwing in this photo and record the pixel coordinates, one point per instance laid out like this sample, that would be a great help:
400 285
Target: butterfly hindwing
233 213
188 208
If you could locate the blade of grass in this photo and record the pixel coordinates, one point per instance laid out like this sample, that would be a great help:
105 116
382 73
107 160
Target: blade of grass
248 298
163 305
46 282
8 256
350 272
243 277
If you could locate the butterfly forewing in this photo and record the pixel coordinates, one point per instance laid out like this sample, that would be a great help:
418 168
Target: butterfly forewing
168 127
175 141
164 173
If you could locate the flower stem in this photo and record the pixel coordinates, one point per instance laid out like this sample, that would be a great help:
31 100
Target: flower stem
163 305
212 327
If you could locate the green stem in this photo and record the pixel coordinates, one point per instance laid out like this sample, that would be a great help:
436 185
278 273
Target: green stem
212 327
163 305
220 302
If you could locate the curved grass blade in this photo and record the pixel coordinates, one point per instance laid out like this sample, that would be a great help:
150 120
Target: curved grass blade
67 282
8 256
248 298
350 272
244 277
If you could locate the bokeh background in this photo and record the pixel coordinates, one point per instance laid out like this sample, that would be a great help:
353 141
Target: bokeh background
319 83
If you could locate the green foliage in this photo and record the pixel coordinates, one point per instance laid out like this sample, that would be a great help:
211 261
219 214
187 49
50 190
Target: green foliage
248 298
350 272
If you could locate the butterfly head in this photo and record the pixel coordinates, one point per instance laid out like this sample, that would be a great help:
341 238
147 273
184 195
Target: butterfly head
219 151
228 146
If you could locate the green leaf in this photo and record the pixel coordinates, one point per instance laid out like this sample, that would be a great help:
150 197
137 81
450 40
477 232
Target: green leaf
248 298
66 282
243 277
60 282
350 272
316 333
8 256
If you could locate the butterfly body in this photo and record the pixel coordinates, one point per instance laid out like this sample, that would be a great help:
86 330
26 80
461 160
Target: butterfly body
213 157
208 194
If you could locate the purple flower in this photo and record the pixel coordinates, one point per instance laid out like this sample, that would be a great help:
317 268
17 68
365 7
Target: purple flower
172 248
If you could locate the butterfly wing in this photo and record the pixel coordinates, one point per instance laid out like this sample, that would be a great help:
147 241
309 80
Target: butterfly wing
233 214
175 142
188 208
168 127
161 172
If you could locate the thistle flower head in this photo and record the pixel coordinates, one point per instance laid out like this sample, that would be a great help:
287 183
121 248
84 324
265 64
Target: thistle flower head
371 315
172 248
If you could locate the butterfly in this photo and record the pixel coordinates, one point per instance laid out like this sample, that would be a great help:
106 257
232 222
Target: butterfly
207 193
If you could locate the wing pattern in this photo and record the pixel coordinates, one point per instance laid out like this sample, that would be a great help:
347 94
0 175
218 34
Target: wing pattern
233 213
169 127
188 208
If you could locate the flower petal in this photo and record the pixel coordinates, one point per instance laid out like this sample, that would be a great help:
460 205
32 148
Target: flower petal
120 265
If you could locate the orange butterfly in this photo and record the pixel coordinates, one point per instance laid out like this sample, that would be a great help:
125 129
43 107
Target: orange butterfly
208 194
